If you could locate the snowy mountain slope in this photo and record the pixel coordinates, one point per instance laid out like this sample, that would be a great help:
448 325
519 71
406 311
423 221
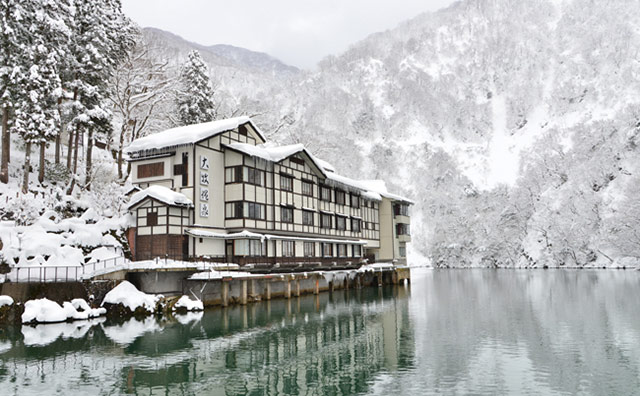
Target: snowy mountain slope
252 59
494 116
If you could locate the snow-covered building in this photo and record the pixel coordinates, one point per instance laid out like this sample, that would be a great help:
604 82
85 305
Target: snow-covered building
218 191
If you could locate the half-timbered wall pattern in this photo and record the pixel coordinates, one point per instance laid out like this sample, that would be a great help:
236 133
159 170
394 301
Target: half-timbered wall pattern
232 192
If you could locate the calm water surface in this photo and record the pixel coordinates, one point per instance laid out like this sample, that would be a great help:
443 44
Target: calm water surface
453 332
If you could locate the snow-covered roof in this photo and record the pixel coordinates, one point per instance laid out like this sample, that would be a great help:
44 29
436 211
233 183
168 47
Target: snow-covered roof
189 134
327 166
380 187
275 153
162 194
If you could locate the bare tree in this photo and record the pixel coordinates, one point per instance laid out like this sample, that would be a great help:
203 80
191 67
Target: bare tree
141 83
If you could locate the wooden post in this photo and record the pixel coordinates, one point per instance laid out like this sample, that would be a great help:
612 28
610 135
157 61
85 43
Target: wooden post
252 288
267 292
297 292
287 289
316 288
380 279
243 293
225 293
331 286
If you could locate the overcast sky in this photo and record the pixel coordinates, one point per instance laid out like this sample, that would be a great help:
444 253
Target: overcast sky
298 32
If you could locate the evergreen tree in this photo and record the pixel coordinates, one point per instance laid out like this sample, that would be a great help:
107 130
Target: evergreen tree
35 116
14 37
195 97
101 37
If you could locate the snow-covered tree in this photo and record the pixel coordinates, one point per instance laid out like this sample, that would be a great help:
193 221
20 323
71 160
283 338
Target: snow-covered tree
36 117
139 86
13 39
102 34
195 96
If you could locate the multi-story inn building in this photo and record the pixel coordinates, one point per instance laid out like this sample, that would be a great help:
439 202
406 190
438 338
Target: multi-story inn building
215 191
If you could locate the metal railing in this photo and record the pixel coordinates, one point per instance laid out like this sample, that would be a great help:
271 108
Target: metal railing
41 273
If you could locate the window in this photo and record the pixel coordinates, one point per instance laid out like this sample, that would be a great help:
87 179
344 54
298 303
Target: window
340 197
357 250
286 183
255 176
355 225
307 188
257 248
307 217
309 249
234 174
327 250
325 220
234 210
402 250
355 200
288 248
242 130
152 219
151 170
341 223
325 193
255 211
342 250
286 214
402 229
401 210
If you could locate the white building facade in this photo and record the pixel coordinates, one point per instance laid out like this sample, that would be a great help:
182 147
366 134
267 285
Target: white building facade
216 191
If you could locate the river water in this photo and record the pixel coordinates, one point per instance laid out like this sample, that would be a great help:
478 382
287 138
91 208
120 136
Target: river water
452 332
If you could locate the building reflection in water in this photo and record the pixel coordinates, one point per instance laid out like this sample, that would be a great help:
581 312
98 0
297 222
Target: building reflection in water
327 344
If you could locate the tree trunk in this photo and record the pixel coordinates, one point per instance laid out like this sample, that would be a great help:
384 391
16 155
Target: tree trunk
27 165
75 159
43 146
89 163
60 131
69 151
6 146
120 149
75 97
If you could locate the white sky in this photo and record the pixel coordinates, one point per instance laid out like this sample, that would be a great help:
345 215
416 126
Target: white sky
298 32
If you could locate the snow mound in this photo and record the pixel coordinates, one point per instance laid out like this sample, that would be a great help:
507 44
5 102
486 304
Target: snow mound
188 304
5 300
129 296
46 311
43 311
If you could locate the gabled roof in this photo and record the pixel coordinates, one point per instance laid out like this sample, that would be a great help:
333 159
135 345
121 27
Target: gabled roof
162 194
276 153
189 134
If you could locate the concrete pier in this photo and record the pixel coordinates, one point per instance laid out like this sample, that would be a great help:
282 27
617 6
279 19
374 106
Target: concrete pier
243 290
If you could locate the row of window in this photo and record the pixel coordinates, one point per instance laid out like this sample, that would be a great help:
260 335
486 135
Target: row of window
240 174
326 249
256 211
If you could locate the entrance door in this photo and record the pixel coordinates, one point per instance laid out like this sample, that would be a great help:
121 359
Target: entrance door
229 251
185 247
